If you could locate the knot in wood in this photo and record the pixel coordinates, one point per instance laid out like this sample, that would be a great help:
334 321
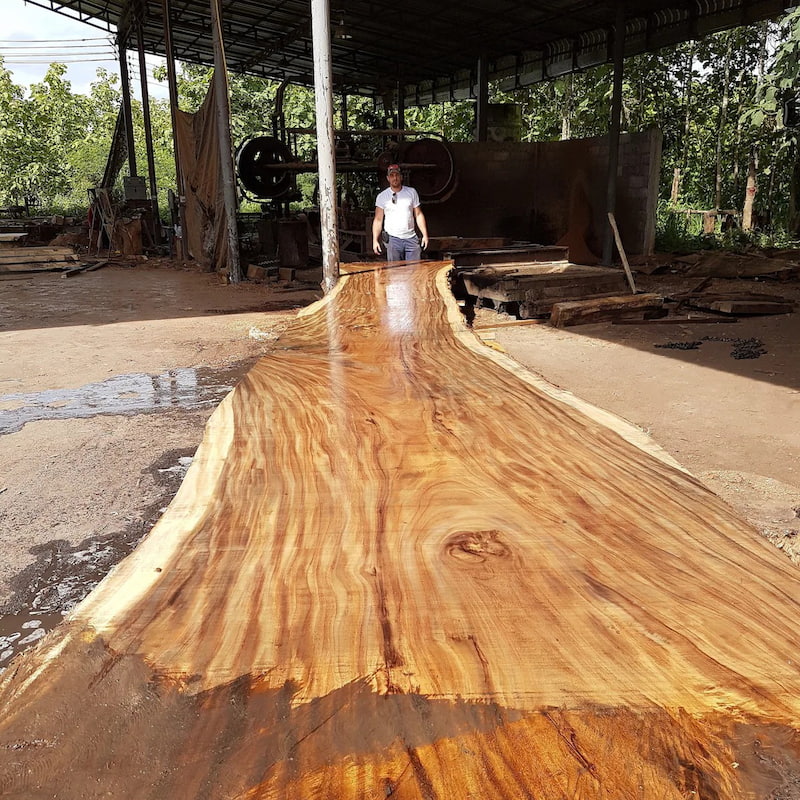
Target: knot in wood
476 545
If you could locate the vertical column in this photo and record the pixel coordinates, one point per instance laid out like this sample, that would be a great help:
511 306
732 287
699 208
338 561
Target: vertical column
122 42
323 94
172 82
225 145
613 133
482 127
148 131
401 108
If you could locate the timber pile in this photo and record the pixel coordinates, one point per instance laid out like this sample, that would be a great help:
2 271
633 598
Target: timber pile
532 289
12 240
37 259
512 254
732 265
742 303
397 567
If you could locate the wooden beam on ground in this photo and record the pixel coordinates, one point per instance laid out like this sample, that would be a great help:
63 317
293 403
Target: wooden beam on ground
601 309
70 273
400 565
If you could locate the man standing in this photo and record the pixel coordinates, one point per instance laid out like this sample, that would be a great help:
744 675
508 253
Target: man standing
397 209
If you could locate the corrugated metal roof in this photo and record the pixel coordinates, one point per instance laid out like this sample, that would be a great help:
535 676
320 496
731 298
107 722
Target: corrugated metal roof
429 47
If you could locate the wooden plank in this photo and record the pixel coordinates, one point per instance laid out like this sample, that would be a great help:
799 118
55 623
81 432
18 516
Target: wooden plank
755 307
401 566
26 252
621 249
41 258
91 267
675 321
441 243
475 258
584 312
37 266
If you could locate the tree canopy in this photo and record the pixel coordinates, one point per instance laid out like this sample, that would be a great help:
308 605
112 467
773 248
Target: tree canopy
718 102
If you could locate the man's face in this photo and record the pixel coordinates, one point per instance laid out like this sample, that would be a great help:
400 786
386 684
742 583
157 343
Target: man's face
395 180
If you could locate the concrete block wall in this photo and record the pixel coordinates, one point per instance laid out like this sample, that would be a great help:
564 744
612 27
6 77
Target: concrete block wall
546 192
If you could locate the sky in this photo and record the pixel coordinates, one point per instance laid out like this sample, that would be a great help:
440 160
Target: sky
31 38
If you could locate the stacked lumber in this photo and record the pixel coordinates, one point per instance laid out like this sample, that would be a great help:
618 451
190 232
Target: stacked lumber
12 240
439 244
733 265
741 303
533 288
399 566
37 259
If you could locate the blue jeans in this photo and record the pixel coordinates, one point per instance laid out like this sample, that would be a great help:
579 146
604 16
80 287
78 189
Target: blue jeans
403 249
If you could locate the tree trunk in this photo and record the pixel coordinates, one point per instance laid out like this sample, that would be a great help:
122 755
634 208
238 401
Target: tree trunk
566 110
723 109
794 195
688 81
676 186
750 192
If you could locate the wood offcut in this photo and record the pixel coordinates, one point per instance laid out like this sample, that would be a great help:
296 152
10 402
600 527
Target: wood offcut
401 565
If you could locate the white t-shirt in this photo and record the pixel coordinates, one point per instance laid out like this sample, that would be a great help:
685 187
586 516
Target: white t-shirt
398 217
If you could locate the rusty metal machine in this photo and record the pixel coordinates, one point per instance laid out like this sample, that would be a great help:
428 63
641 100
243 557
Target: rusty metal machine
267 167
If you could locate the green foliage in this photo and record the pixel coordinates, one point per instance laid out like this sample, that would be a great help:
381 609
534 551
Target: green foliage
723 95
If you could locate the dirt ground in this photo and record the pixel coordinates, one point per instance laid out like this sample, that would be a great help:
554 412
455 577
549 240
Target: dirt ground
107 380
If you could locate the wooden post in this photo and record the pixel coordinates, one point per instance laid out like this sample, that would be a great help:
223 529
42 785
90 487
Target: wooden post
225 145
323 94
613 133
621 249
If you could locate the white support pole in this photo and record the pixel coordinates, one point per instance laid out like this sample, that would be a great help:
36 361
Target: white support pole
326 150
225 146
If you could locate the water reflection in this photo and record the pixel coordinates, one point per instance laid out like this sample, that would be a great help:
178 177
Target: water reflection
399 310
138 393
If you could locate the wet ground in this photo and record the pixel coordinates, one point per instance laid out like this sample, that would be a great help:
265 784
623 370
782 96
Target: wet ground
63 574
122 394
106 383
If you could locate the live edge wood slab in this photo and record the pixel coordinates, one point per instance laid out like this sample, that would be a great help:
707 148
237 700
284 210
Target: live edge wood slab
399 567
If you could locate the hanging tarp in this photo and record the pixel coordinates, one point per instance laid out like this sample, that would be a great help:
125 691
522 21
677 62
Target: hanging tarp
197 137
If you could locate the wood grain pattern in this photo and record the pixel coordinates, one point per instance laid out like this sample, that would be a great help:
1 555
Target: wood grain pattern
401 566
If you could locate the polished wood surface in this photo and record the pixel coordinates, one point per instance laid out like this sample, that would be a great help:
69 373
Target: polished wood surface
402 566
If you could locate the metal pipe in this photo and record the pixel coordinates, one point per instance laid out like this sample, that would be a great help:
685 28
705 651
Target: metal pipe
326 154
126 102
401 107
614 130
483 98
172 83
225 145
148 131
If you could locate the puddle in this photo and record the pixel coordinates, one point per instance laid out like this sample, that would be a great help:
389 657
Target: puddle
64 574
184 388
19 631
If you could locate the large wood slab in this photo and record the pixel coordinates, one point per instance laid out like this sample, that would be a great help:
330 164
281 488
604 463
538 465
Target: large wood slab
399 566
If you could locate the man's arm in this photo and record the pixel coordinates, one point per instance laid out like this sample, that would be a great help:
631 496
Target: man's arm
377 227
422 225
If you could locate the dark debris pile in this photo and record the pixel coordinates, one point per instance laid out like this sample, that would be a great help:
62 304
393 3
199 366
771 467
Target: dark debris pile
742 348
680 345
